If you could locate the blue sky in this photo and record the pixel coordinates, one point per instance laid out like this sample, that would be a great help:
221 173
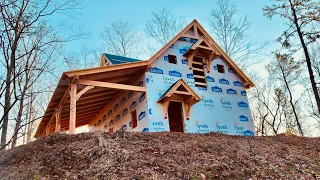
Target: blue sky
97 14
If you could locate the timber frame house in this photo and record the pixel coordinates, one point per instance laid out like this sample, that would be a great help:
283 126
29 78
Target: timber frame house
108 97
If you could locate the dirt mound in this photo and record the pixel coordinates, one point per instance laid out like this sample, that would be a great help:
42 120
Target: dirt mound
121 155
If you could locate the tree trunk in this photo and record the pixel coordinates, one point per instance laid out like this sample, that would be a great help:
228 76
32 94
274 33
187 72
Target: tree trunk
308 60
18 122
7 104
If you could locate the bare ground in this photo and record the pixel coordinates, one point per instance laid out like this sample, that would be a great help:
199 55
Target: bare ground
101 155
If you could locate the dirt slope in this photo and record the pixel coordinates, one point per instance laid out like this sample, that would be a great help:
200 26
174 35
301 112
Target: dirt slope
162 156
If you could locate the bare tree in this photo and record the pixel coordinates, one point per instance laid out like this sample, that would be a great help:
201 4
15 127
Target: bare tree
120 39
164 26
303 20
21 22
86 58
286 71
231 33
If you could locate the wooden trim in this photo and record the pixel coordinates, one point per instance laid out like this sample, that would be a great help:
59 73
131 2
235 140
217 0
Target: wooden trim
197 69
58 121
112 85
195 29
204 47
197 76
199 63
182 92
106 68
73 107
84 90
189 36
199 83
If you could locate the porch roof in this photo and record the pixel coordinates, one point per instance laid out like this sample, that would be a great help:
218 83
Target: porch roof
94 100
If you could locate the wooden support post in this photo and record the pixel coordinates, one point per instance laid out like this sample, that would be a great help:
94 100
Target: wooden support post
73 107
58 120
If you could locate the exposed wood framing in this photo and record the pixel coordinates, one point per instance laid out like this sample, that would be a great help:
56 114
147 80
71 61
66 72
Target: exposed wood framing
84 90
188 97
195 29
73 108
106 69
112 85
58 121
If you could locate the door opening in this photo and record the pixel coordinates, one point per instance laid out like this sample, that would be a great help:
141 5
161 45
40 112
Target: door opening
175 116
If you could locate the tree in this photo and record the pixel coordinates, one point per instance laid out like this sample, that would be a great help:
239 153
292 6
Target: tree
86 58
120 39
162 27
25 22
286 71
231 33
303 19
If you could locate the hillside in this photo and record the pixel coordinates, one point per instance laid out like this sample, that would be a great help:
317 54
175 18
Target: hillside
121 155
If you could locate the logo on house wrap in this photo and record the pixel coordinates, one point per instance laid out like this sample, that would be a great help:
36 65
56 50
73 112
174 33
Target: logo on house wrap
172 46
238 129
111 123
142 97
231 91
230 70
193 40
117 118
242 104
207 102
183 50
184 61
165 58
169 80
182 39
123 100
124 127
210 79
225 104
215 67
238 83
110 112
150 111
145 130
124 112
202 127
244 93
216 89
158 125
243 118
190 76
202 88
175 73
104 117
248 133
133 105
223 81
130 94
116 107
142 115
156 70
140 84
222 128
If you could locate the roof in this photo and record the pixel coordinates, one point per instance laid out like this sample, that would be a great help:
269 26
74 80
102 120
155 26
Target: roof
197 27
114 59
174 88
94 100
